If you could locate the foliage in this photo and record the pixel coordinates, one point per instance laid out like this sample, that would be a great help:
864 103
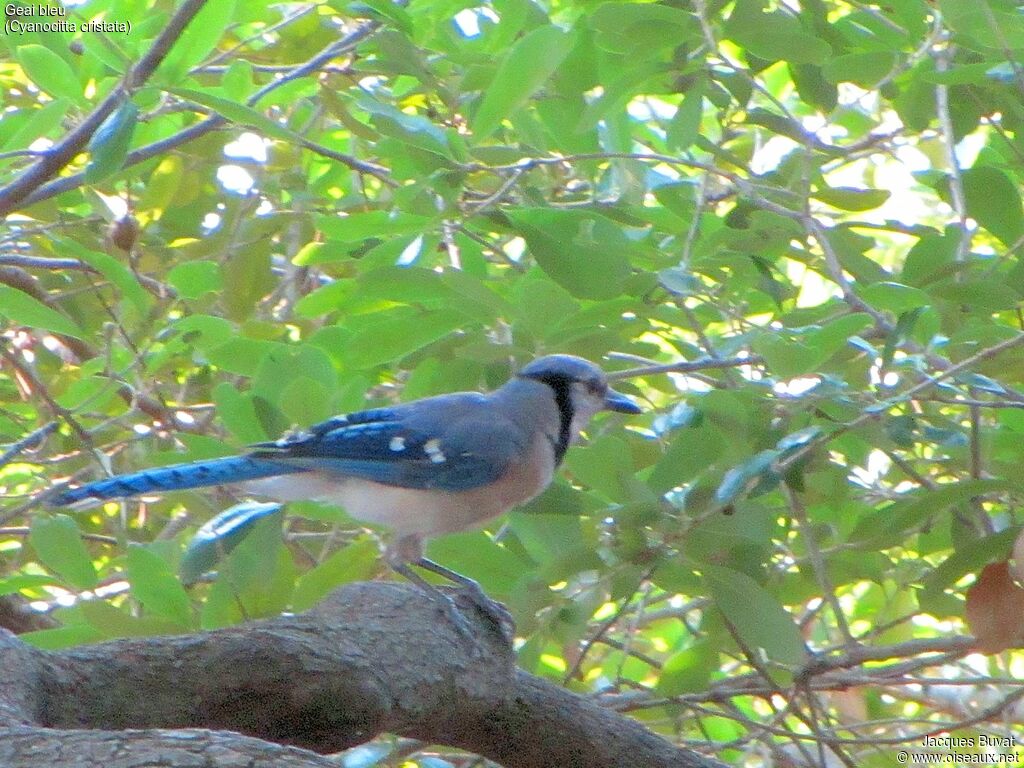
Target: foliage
795 229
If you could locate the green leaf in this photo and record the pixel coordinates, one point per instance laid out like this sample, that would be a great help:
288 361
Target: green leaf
413 130
283 366
641 29
688 671
238 113
865 69
774 36
59 546
237 81
834 336
50 72
852 198
25 581
237 412
758 618
256 579
813 87
357 227
980 382
62 637
112 269
981 295
994 201
40 124
798 439
154 585
692 451
894 297
191 279
584 252
197 41
929 257
685 125
116 621
967 559
22 309
355 562
385 9
785 357
478 556
885 526
305 401
243 356
532 60
396 335
109 145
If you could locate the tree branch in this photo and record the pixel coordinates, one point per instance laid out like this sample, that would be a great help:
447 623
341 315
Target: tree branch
131 749
205 126
373 657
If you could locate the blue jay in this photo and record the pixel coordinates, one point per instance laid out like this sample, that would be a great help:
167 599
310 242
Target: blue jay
432 466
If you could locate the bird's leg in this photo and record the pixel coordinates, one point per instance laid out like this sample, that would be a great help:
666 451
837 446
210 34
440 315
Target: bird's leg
492 609
409 549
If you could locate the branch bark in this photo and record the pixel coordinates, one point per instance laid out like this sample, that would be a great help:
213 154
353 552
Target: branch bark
372 657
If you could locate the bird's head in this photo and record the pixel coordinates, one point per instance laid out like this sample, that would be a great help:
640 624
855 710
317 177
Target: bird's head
580 388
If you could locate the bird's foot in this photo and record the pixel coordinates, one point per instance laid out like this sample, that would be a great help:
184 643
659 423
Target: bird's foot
446 602
456 618
495 612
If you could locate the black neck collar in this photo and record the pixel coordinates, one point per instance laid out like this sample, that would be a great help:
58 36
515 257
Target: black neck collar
563 400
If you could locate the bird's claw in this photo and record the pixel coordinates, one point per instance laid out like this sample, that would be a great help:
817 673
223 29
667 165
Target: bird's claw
495 612
456 618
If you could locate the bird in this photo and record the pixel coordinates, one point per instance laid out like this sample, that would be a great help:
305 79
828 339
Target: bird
424 468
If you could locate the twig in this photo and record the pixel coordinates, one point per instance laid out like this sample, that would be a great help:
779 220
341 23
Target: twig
28 442
828 589
24 530
203 127
591 641
687 366
158 289
969 403
909 394
956 182
23 281
65 150
38 388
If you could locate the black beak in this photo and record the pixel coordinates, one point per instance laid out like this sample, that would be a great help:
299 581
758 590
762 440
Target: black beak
616 401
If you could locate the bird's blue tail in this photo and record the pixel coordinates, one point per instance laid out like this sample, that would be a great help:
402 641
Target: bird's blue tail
233 469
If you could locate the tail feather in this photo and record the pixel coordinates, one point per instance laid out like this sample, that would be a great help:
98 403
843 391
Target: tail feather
197 474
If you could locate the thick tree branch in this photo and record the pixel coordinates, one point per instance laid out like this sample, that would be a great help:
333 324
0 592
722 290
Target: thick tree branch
134 749
373 657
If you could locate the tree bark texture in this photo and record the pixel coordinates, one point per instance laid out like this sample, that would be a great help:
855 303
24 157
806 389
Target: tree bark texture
373 657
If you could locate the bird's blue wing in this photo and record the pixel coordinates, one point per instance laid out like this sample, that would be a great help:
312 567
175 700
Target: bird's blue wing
422 447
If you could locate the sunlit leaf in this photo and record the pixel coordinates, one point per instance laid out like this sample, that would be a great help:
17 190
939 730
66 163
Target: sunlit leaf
529 63
57 542
23 309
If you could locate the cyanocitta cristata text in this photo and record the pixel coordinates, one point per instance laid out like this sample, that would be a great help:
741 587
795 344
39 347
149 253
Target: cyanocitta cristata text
424 468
